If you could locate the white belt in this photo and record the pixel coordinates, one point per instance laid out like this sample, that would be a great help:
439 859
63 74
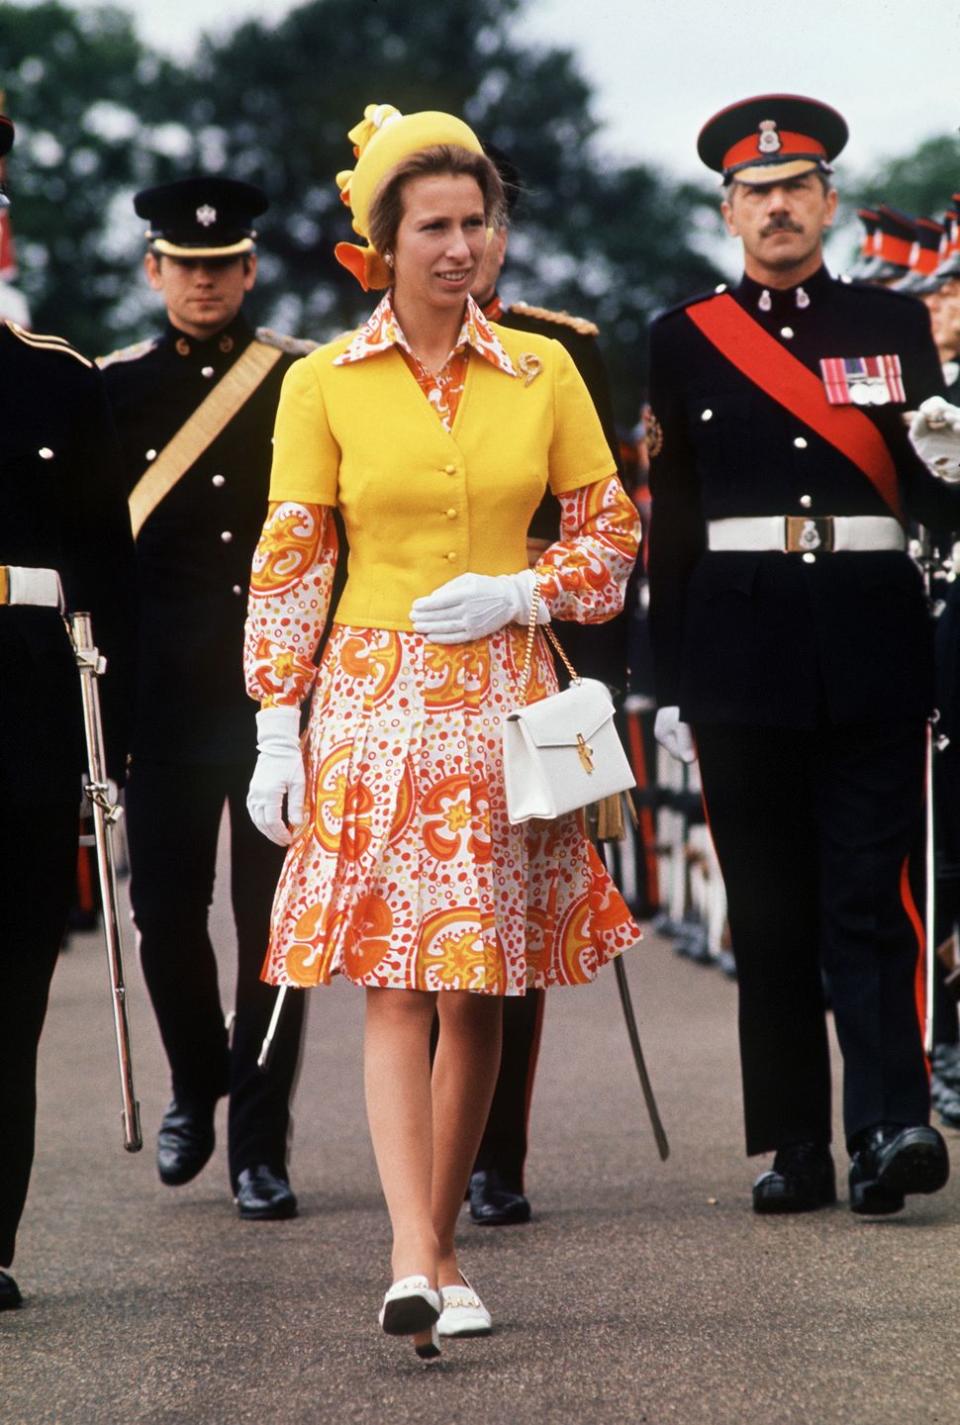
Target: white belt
40 587
805 534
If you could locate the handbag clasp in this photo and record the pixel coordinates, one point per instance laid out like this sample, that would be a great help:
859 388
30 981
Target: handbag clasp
585 753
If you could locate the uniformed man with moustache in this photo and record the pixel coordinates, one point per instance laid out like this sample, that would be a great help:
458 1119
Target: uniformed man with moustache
195 407
793 653
497 1193
64 547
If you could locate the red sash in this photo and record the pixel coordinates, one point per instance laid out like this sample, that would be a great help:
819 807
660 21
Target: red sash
768 365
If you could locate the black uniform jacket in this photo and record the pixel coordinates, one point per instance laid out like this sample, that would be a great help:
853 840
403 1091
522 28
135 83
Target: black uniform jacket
61 507
766 638
595 650
194 551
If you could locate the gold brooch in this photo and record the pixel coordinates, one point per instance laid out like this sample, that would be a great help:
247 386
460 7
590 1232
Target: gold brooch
530 366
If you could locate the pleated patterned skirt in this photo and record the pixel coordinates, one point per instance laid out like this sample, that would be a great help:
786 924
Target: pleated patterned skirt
406 872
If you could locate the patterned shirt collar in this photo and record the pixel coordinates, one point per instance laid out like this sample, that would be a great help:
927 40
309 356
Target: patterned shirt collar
382 330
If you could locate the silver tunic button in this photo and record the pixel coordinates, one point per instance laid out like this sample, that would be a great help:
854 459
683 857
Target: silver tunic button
206 371
218 480
237 590
786 333
227 536
800 441
806 501
45 453
150 454
809 558
706 415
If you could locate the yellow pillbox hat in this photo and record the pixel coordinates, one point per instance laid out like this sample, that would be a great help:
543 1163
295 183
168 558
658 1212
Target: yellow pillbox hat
382 140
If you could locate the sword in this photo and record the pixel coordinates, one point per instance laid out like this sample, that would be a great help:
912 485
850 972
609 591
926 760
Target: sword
663 1146
106 813
633 1034
925 556
266 1048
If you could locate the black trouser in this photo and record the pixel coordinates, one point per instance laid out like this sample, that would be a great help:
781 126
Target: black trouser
173 817
504 1143
38 851
946 802
813 831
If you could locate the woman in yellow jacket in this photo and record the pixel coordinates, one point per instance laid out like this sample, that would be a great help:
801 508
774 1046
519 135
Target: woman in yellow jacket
434 433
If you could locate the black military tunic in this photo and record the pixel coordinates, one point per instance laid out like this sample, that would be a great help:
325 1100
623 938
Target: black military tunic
596 651
194 737
807 679
61 507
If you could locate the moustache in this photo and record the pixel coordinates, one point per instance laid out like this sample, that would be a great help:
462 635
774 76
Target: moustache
781 224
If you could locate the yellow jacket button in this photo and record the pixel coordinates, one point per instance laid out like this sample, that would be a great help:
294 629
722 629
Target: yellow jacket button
451 513
451 556
450 470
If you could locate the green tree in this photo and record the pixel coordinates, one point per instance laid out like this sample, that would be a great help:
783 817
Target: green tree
99 115
272 103
73 84
921 183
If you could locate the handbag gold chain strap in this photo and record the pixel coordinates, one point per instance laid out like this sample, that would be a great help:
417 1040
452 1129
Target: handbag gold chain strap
528 650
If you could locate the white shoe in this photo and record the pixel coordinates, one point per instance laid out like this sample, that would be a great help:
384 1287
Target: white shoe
411 1305
463 1314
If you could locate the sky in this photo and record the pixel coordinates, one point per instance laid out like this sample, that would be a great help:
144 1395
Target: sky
659 68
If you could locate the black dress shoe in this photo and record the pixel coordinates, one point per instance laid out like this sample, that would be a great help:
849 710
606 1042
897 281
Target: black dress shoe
495 1202
185 1141
889 1162
263 1196
10 1297
801 1179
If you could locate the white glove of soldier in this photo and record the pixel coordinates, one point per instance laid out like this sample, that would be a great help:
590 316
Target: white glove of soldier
674 735
473 605
935 436
278 774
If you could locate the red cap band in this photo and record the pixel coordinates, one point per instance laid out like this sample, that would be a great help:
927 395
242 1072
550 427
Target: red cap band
792 145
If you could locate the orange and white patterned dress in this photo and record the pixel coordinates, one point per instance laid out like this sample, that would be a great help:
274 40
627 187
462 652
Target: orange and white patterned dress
406 872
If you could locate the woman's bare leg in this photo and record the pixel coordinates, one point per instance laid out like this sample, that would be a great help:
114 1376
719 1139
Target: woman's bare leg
464 1076
400 1113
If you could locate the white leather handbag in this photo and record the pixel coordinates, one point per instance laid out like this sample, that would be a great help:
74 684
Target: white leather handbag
562 752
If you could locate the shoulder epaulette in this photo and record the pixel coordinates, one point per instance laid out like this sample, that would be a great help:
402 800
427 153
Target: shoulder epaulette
563 319
693 301
128 353
292 345
855 284
46 343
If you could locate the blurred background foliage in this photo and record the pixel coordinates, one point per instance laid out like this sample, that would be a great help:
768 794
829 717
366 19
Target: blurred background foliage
99 114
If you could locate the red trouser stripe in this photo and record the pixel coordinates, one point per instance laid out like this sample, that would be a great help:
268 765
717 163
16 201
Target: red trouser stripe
920 974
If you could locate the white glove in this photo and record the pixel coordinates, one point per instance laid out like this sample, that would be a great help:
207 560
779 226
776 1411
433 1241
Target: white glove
674 735
935 436
473 605
278 774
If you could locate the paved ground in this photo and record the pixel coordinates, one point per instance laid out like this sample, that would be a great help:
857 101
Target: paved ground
641 1293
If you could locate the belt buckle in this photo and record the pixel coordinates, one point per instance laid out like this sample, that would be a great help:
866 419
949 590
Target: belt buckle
807 534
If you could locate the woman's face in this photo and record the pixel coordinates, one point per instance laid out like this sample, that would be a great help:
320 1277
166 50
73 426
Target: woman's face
440 240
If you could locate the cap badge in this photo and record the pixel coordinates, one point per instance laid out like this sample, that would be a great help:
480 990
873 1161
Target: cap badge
206 215
769 140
